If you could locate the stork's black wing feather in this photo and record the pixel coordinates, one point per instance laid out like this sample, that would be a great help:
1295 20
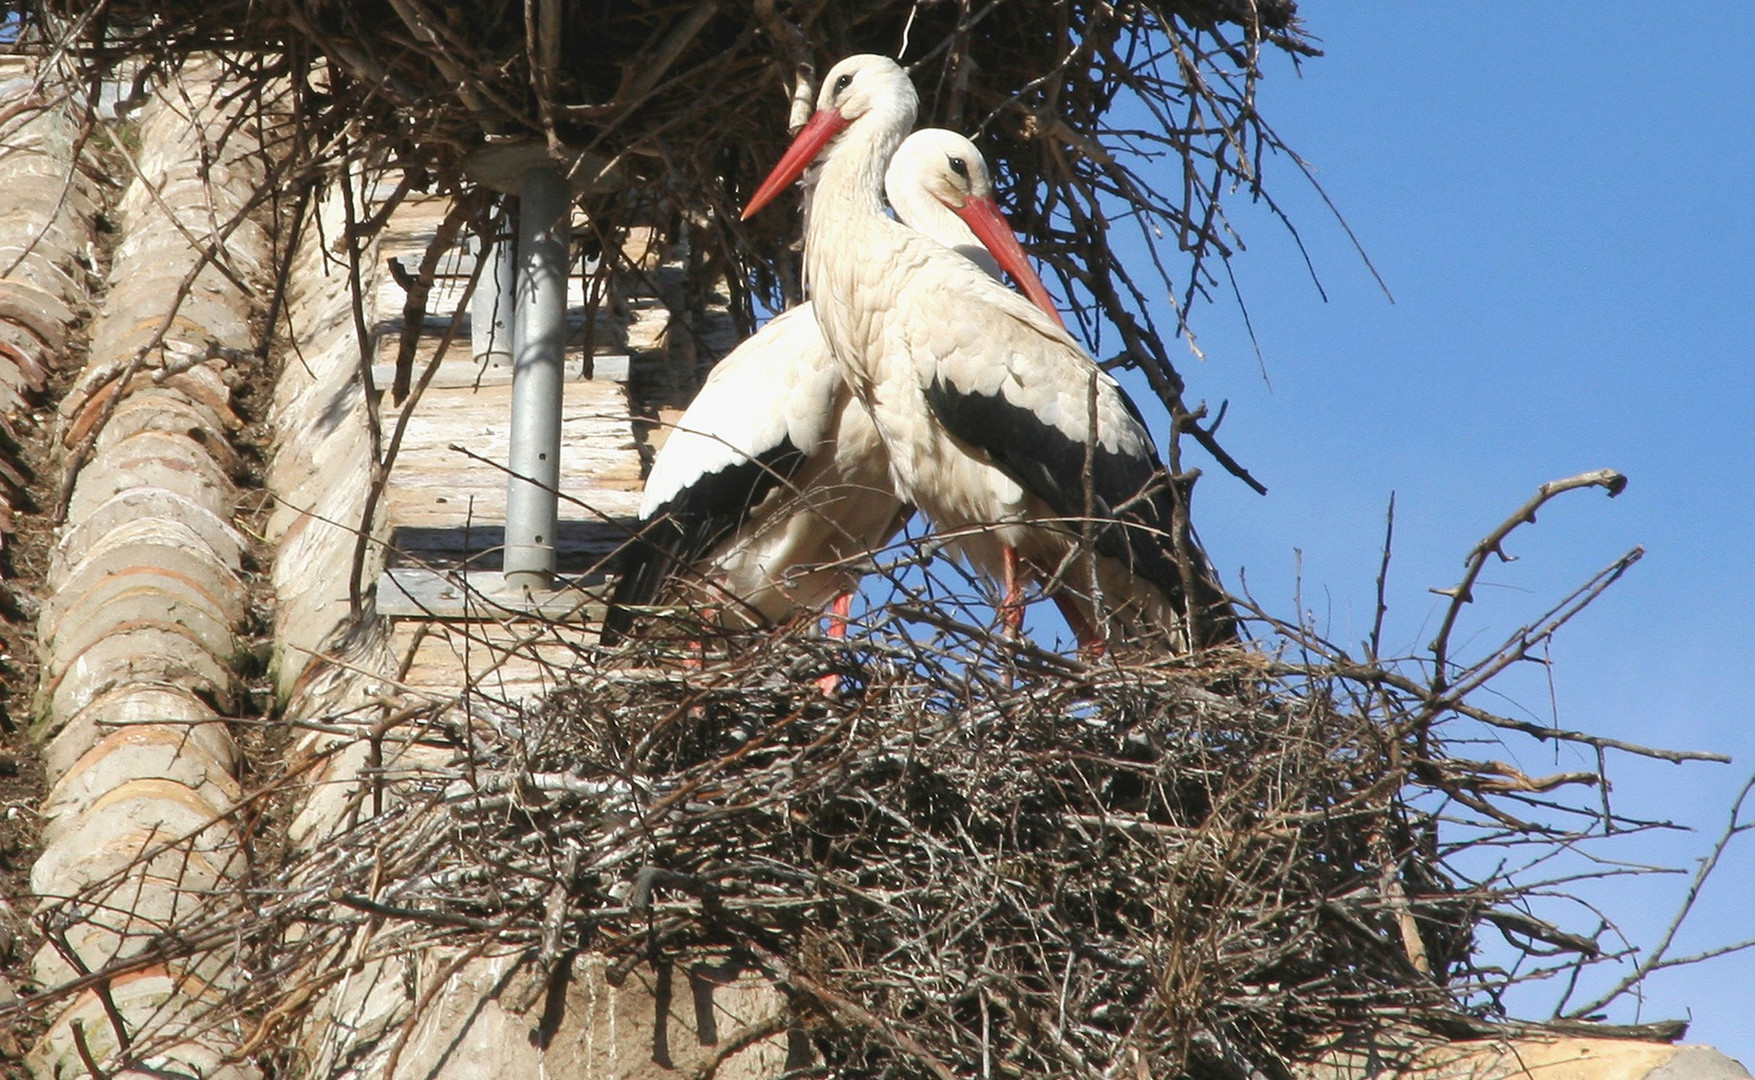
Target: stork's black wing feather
689 525
1129 500
1125 488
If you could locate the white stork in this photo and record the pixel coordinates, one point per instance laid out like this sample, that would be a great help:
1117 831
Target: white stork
774 487
995 420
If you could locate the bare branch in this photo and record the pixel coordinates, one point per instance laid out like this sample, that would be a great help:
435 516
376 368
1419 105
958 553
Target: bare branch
1658 957
1494 544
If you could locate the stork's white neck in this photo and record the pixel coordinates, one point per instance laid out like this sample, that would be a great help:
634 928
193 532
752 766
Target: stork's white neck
853 168
921 211
849 194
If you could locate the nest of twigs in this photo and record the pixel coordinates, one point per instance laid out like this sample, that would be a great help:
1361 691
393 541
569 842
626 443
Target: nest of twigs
978 856
1201 866
1181 862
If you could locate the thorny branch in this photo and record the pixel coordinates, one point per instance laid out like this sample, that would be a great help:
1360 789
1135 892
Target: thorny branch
1494 544
1658 958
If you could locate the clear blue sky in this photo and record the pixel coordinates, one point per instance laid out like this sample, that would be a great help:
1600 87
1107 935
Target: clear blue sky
1562 200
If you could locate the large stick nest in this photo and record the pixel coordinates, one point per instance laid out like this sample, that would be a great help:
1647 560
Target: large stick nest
950 875
978 856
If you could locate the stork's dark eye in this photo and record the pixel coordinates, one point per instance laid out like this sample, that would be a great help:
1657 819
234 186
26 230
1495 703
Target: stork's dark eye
960 167
843 83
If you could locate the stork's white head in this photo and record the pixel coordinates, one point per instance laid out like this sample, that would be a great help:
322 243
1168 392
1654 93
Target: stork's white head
870 91
866 83
936 174
938 164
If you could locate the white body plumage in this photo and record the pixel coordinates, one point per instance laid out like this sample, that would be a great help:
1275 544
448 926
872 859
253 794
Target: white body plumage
781 456
997 423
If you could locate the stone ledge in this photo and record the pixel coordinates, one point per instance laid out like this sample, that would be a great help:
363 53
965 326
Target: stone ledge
1536 1059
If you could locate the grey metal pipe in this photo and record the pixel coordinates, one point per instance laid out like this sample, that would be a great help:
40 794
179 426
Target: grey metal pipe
491 318
532 512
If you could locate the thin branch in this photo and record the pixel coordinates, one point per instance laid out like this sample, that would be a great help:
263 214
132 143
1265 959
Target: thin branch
1494 544
1658 957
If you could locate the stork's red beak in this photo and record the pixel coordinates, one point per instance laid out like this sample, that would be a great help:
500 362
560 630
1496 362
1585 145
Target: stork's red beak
823 126
983 216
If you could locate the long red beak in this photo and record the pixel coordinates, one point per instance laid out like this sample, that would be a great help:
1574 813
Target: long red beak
983 216
823 126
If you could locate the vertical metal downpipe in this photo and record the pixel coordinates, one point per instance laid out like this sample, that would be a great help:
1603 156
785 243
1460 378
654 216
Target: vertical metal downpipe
532 512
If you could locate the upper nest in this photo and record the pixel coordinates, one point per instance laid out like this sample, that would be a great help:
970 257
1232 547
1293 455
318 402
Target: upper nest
1094 114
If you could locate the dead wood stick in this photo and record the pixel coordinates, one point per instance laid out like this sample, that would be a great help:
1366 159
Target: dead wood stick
1657 958
1494 544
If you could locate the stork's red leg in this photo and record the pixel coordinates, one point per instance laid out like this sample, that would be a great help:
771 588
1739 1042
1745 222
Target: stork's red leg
694 660
838 612
1011 609
697 657
1090 642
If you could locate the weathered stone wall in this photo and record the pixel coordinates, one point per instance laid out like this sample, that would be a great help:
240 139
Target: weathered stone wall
45 242
343 672
138 632
1533 1059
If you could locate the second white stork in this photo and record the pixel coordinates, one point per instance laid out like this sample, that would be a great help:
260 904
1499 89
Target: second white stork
774 486
995 420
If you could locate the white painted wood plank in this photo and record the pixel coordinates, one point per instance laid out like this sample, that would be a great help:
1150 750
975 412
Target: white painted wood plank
497 371
414 593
